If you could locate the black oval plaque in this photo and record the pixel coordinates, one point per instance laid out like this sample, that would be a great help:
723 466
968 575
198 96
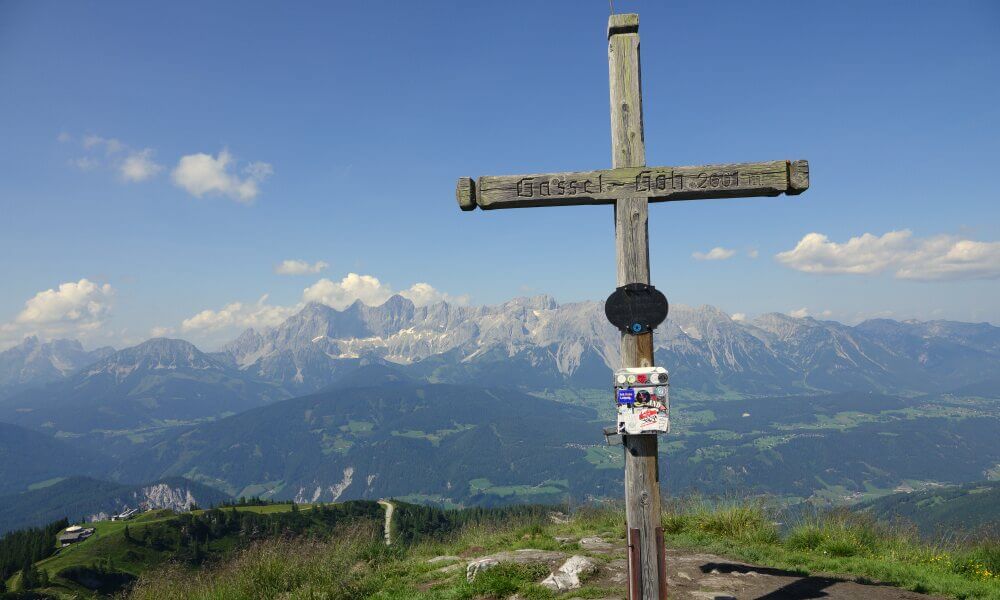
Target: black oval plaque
636 308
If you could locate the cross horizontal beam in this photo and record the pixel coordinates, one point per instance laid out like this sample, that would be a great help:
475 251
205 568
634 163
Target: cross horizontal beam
658 184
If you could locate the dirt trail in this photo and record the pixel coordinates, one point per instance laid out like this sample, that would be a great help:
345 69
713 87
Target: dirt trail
389 507
697 576
709 577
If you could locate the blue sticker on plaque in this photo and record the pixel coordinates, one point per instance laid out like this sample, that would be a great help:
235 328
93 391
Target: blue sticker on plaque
626 396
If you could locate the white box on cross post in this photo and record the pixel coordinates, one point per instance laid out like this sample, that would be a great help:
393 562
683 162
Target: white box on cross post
642 395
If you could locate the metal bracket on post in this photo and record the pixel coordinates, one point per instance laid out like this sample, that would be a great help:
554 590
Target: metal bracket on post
612 437
634 586
661 563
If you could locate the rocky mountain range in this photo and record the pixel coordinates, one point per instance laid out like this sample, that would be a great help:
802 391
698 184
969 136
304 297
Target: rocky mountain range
34 362
322 406
536 342
155 383
528 343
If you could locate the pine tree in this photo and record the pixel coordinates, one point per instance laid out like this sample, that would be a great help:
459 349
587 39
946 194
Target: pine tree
128 534
29 577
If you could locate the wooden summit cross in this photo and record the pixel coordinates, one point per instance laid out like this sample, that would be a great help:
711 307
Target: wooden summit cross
630 185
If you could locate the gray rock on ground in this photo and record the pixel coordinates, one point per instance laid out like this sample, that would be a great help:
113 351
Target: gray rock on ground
570 575
595 543
438 559
521 557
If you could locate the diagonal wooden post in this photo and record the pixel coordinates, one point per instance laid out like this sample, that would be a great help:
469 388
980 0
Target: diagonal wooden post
628 149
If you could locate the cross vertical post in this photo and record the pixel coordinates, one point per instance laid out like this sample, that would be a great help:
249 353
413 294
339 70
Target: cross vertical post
628 149
630 186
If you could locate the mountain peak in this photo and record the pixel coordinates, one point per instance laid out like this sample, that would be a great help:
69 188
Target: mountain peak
539 302
156 354
397 301
35 361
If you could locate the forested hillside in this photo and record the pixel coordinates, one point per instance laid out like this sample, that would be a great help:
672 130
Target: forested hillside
971 510
83 499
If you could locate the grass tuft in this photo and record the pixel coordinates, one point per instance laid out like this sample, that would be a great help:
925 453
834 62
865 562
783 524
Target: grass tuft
356 564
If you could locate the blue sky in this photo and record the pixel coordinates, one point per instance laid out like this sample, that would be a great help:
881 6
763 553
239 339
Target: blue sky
162 159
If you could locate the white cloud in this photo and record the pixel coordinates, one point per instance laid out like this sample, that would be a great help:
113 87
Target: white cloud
371 291
139 166
213 327
941 257
110 153
158 332
74 309
948 258
343 293
299 267
81 302
201 174
867 254
739 317
422 294
805 312
259 315
717 253
753 253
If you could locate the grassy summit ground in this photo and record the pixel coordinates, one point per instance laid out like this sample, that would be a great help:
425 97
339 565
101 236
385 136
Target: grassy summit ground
356 564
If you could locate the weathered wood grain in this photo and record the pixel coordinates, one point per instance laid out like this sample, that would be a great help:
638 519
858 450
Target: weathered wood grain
628 147
465 192
657 184
623 23
798 176
628 150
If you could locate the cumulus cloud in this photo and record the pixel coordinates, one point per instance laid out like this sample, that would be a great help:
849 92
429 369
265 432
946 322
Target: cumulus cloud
423 294
201 174
948 258
371 291
213 326
739 317
938 258
259 315
343 293
299 267
74 309
82 302
717 253
139 166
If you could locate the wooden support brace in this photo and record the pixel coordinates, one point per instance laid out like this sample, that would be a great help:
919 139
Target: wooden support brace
634 586
661 563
